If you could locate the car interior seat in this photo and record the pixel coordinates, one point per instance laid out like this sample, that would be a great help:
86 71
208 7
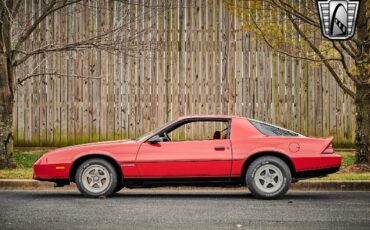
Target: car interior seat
217 135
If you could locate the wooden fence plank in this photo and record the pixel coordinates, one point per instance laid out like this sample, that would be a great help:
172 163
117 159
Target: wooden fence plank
110 132
57 83
181 96
218 57
85 25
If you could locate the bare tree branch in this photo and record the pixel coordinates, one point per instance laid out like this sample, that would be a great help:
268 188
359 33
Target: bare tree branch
50 74
347 50
352 50
45 12
287 8
287 53
5 28
326 63
344 64
125 42
15 8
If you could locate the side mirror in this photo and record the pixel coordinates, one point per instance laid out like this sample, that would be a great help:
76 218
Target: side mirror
154 140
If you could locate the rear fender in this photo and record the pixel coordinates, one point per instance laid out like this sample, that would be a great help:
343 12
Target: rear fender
268 152
328 141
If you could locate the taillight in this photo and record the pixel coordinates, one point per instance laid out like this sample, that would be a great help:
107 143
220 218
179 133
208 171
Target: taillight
328 150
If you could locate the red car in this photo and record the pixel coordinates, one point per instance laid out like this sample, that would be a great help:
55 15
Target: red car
197 151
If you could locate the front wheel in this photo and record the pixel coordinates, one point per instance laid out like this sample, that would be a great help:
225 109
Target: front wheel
96 177
268 177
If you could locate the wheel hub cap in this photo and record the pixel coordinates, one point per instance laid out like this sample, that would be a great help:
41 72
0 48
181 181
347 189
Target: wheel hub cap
96 178
268 178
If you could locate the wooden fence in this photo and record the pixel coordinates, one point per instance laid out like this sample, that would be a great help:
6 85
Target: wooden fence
205 65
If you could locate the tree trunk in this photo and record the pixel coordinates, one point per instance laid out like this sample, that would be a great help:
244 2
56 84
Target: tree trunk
6 113
362 102
362 99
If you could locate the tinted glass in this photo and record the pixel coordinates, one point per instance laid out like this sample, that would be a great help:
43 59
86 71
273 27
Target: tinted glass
200 130
271 130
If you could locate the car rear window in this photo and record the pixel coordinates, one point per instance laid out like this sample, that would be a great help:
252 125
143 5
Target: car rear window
272 130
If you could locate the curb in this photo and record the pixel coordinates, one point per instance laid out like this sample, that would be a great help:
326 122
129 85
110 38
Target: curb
306 185
334 185
14 184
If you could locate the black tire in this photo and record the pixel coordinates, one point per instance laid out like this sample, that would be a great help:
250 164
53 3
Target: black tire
118 188
102 167
280 179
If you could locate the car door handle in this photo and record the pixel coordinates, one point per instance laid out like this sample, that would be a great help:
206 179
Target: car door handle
218 148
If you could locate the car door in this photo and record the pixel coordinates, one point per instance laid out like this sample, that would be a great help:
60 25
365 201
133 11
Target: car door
186 158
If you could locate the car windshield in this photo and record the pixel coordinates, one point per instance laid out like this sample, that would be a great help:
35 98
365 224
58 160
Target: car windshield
272 130
143 137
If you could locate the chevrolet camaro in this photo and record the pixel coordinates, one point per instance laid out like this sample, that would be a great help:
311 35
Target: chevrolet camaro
194 151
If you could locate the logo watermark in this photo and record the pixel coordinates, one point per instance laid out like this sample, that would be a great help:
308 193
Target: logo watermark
338 18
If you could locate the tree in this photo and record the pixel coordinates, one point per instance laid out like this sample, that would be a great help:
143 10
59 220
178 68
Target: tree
14 33
292 28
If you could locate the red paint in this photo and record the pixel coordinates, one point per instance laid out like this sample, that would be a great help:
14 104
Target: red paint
187 158
193 158
294 147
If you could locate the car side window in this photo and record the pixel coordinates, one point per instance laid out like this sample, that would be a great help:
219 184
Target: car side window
200 130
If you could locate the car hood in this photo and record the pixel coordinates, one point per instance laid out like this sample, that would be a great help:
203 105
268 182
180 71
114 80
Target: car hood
104 145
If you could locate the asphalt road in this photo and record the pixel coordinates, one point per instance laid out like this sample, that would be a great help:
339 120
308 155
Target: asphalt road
183 209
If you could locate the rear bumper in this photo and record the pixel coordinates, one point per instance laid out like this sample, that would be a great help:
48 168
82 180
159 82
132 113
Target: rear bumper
316 172
327 164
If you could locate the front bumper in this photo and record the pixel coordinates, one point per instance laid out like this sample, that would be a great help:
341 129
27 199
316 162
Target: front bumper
50 172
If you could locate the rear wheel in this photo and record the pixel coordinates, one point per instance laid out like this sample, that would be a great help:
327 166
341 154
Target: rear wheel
119 187
96 177
268 177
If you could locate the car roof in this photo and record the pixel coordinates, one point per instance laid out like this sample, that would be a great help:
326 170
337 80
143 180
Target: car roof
210 116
